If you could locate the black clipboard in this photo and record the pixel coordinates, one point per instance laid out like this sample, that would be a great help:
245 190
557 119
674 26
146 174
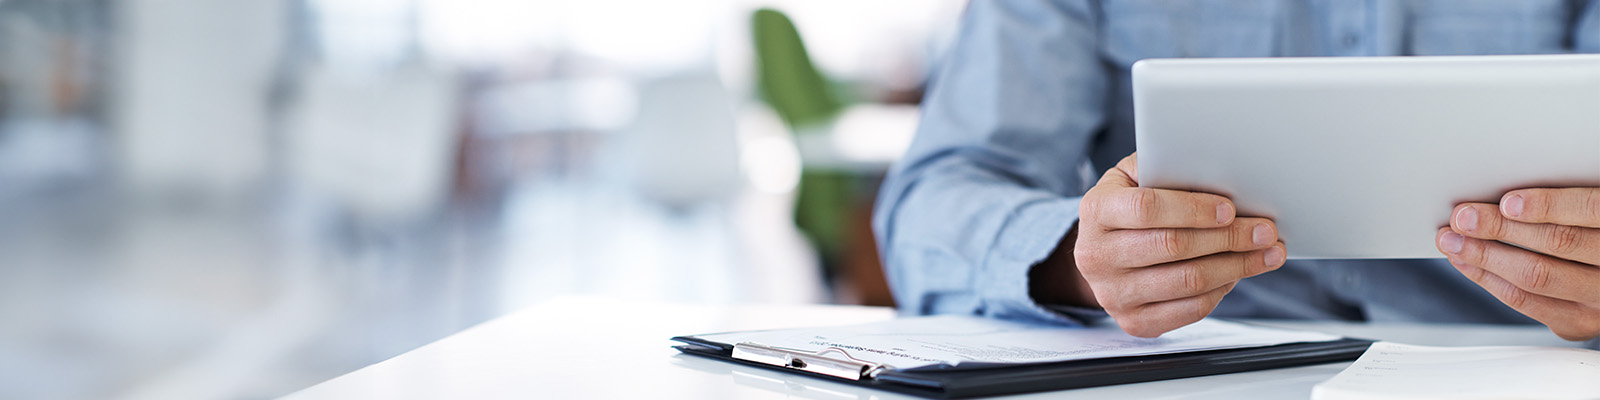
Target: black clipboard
983 380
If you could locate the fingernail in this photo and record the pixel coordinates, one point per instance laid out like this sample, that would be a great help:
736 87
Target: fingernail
1224 213
1451 242
1274 256
1262 235
1512 206
1467 219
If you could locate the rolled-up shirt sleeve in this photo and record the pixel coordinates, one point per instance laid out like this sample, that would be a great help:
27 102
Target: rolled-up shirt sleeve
1586 29
991 183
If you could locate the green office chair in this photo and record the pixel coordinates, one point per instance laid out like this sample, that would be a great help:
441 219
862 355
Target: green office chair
804 99
787 79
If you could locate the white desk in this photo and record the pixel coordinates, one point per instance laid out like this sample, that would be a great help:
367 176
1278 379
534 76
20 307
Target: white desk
598 348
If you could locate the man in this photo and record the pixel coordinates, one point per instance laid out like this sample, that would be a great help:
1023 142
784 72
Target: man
996 209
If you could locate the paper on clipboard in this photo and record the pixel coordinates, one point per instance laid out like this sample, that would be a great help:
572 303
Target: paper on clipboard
908 343
1402 371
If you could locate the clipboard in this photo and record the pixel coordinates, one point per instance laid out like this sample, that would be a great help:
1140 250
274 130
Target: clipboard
969 380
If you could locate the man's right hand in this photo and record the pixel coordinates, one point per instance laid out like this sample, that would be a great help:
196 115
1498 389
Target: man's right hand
1157 260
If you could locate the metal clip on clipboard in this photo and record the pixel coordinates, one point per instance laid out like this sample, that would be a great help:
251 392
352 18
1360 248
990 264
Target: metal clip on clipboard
831 361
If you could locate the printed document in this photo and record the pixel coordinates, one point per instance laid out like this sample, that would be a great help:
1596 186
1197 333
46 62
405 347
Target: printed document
908 343
1401 371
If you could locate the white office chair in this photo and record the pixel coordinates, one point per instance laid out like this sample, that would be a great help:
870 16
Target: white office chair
683 148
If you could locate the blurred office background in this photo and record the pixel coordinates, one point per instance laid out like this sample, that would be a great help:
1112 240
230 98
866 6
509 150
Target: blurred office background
237 199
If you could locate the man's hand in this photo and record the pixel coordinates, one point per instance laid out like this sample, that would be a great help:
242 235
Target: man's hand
1553 277
1157 260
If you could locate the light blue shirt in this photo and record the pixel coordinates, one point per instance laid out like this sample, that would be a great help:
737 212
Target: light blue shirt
1032 105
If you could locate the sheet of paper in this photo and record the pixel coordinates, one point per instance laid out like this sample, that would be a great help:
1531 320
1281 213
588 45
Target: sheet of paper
1401 371
915 342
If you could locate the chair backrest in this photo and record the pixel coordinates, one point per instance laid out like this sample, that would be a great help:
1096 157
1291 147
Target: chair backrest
787 79
683 147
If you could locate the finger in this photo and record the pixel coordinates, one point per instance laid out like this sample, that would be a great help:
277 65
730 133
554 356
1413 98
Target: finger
1484 221
1117 202
1146 208
1168 245
1529 271
1130 166
1569 320
1567 206
1189 278
1152 320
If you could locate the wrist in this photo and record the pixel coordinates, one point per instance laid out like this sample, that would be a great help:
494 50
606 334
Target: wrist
1057 281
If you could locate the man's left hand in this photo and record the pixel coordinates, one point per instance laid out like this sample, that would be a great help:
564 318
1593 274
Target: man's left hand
1554 276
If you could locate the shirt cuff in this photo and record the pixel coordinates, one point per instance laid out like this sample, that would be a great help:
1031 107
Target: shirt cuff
1029 235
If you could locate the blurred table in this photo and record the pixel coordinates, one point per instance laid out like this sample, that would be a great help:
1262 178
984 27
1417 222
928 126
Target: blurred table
600 348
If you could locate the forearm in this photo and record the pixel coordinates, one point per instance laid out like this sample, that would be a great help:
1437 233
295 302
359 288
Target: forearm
961 239
989 188
1056 280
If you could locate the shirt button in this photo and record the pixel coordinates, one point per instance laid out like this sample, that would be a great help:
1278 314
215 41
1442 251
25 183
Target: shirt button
1351 40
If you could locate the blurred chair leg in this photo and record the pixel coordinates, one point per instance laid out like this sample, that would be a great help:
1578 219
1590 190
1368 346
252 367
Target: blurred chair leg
862 265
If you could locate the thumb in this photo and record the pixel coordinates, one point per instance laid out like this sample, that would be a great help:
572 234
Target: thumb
1125 174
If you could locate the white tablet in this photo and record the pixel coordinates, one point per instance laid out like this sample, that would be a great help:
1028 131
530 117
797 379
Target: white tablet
1366 157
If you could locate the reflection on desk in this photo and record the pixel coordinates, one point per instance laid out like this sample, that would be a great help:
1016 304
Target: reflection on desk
790 385
600 348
